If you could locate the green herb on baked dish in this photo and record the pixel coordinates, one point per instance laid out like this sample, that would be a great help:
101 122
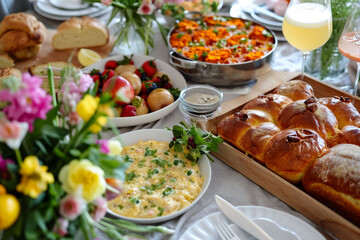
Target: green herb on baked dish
193 141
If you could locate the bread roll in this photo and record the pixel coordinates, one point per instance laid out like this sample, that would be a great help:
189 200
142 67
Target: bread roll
254 141
343 109
290 152
9 71
6 61
21 35
80 33
311 115
233 127
349 134
295 90
270 103
334 179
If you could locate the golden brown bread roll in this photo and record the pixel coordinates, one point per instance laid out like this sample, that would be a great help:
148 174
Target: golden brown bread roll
270 103
334 179
349 134
21 35
79 33
290 152
233 127
295 90
256 139
309 114
343 109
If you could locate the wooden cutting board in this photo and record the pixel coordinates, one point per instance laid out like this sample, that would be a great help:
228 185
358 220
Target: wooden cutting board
48 54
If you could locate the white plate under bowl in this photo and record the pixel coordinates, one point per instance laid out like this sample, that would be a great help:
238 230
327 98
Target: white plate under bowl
45 6
177 79
205 227
162 135
69 4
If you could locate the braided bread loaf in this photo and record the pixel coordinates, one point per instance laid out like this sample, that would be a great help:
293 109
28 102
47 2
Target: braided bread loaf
291 132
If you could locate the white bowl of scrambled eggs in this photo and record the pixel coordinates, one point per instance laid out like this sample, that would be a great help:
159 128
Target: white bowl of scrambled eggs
160 184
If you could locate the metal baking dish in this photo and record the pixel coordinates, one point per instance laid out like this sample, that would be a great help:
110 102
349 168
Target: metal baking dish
221 74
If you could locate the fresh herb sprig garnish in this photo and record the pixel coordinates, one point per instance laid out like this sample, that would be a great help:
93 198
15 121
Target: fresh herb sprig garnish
193 141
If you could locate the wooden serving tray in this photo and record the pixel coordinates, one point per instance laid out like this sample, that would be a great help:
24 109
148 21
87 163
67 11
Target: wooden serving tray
292 195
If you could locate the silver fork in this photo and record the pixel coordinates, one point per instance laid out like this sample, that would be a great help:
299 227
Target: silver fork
225 232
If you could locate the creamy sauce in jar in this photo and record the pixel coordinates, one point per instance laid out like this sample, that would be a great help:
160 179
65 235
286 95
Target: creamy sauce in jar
202 99
158 182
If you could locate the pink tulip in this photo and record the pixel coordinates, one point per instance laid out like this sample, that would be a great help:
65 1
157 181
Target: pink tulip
104 146
71 207
61 226
106 2
100 207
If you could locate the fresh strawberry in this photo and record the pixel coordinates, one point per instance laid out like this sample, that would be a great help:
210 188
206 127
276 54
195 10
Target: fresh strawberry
145 85
149 68
126 61
95 78
120 89
167 85
112 64
144 96
107 73
129 111
157 80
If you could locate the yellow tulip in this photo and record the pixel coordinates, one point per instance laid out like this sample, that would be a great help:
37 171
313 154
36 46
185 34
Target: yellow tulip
83 174
87 106
35 177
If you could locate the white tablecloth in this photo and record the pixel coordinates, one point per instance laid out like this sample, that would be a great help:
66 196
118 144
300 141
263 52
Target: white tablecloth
225 181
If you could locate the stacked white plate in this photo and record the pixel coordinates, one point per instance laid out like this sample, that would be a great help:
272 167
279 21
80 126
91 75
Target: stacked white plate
64 9
251 10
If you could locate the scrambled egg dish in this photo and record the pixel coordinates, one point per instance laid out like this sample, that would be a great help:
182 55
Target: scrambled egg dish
159 181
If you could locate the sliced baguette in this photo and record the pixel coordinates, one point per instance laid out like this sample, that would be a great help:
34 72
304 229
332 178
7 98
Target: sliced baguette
41 69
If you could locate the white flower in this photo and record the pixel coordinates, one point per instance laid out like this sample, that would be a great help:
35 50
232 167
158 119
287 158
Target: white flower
115 147
146 8
13 133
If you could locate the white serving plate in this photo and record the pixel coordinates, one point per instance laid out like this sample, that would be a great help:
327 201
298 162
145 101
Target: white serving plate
48 8
205 227
177 79
161 135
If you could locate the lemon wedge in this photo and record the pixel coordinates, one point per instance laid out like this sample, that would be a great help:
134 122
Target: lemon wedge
87 57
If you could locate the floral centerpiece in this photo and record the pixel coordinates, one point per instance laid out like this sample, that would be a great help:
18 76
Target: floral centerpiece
53 162
139 15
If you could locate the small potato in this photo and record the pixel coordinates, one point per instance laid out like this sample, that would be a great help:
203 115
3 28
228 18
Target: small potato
141 106
159 98
134 80
125 68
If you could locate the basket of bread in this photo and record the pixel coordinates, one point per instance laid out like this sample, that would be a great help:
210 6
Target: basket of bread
303 149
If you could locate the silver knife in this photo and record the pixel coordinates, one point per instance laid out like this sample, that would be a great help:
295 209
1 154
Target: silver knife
236 216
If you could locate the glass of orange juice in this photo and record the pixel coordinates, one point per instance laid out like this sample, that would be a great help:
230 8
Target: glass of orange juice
349 42
307 25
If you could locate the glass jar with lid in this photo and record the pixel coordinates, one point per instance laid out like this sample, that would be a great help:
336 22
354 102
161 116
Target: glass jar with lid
200 103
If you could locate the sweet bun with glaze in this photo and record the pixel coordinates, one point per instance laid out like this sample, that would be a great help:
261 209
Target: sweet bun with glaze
349 134
295 90
334 179
343 109
270 103
233 127
309 114
290 153
255 140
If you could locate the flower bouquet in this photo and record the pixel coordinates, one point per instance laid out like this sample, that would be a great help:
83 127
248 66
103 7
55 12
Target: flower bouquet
53 162
139 15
